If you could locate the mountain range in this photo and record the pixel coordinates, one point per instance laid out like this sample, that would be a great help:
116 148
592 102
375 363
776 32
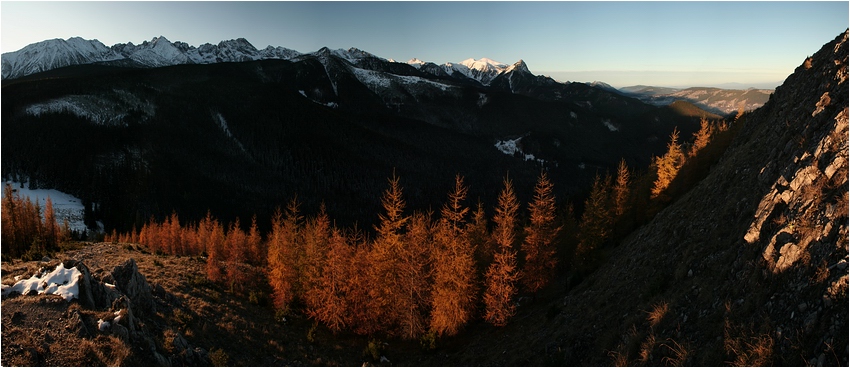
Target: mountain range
234 129
159 52
717 100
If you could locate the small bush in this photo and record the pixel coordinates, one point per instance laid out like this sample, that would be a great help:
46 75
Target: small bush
311 333
428 341
218 357
373 350
257 297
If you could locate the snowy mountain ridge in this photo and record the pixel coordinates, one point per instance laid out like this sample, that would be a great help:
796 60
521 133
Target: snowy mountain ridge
159 52
55 53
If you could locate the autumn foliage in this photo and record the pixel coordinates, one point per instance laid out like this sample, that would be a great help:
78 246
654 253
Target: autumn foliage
501 277
539 243
24 229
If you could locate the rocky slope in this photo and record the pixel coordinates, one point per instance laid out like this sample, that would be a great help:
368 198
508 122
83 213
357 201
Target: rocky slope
749 267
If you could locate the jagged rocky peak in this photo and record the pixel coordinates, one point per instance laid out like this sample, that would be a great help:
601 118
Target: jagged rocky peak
519 67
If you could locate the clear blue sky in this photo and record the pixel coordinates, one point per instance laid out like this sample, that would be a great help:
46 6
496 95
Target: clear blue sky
621 43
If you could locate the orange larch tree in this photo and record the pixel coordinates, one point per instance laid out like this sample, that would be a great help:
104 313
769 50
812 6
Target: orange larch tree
621 189
329 302
667 166
51 228
256 246
386 270
414 285
453 267
501 277
539 243
283 243
315 237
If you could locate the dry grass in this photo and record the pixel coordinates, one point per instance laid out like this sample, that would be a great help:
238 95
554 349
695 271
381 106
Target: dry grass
752 351
618 359
659 310
646 348
105 350
747 351
679 353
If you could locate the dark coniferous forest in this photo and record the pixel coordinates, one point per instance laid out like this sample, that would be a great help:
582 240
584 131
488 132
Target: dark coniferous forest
242 138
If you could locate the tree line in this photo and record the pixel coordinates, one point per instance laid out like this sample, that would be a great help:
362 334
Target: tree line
419 274
27 231
422 274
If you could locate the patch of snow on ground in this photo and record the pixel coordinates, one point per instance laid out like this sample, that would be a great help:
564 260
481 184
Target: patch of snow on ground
573 115
332 105
62 281
65 206
610 126
508 147
511 148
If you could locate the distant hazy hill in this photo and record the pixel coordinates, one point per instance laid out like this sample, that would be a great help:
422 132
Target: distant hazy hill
718 100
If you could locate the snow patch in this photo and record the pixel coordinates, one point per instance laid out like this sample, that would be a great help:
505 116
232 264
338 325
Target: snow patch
610 126
573 115
62 281
332 105
511 147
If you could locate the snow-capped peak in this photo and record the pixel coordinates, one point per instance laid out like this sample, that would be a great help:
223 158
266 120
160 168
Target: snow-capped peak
519 66
354 54
416 63
55 53
484 64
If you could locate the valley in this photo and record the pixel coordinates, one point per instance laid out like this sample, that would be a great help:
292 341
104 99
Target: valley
268 207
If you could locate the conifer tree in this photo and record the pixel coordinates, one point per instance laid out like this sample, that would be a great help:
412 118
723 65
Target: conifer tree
256 247
236 255
385 269
621 189
453 264
502 276
315 238
329 302
414 285
668 165
173 244
595 224
51 228
9 221
539 243
283 255
215 251
480 240
702 137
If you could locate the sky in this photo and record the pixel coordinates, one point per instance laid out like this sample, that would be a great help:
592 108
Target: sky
675 44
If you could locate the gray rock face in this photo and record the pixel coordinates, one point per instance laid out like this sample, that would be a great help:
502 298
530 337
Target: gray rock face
133 284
